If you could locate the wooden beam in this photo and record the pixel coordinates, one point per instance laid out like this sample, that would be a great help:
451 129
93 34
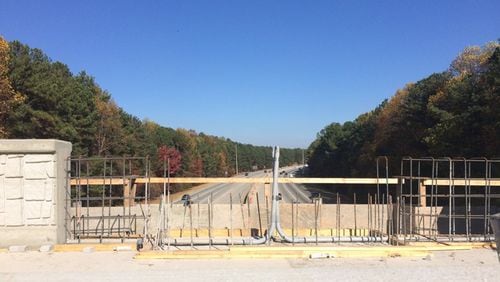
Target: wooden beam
126 195
461 182
422 194
338 180
98 181
264 180
199 180
267 180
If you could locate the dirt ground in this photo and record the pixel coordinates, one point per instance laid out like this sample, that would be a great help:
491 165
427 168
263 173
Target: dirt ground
473 265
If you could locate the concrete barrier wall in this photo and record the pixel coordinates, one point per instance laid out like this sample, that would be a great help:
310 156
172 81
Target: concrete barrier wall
32 191
246 216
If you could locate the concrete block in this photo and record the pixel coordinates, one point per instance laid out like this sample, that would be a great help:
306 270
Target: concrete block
14 215
319 256
46 248
52 219
2 194
50 189
17 249
3 160
14 166
38 170
33 209
35 222
50 169
88 250
47 209
34 189
39 158
13 188
122 249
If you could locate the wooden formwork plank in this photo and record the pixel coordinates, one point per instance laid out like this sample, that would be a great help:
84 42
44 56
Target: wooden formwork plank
98 181
264 180
462 182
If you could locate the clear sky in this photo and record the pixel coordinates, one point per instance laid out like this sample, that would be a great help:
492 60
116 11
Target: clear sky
259 72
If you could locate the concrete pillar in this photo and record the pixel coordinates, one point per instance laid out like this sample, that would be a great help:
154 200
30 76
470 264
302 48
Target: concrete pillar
33 183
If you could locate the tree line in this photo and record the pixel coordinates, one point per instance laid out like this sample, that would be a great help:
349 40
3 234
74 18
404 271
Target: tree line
40 98
454 113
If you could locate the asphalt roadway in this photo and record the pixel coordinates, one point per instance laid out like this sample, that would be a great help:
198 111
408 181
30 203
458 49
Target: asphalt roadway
224 193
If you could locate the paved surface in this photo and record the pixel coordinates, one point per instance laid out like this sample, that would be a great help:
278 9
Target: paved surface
222 193
475 265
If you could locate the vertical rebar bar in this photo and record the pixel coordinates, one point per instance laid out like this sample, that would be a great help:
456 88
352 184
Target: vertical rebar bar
242 213
293 222
316 220
268 219
338 217
102 211
258 214
210 221
355 216
231 217
191 224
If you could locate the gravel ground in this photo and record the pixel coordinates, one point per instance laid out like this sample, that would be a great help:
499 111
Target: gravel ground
474 265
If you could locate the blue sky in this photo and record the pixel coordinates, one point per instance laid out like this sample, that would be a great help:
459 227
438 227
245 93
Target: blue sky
259 72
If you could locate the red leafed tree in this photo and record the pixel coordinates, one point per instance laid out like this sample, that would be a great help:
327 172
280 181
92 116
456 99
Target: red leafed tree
165 154
197 167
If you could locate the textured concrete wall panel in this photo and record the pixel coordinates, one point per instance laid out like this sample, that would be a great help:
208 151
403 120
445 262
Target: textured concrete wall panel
29 191
47 209
40 170
14 166
34 189
50 188
13 188
14 215
2 195
3 161
33 209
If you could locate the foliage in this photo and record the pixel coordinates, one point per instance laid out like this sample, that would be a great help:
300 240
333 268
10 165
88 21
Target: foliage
171 157
452 113
43 99
8 97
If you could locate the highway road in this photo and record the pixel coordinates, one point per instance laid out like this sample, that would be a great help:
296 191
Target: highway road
240 192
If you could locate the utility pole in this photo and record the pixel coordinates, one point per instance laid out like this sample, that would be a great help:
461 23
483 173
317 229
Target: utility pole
303 161
236 154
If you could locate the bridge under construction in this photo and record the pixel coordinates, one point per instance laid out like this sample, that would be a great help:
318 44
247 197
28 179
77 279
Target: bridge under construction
433 199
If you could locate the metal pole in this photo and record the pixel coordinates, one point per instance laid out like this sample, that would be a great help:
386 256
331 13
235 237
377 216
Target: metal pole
168 202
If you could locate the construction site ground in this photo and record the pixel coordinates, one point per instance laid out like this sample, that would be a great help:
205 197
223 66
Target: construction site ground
479 264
